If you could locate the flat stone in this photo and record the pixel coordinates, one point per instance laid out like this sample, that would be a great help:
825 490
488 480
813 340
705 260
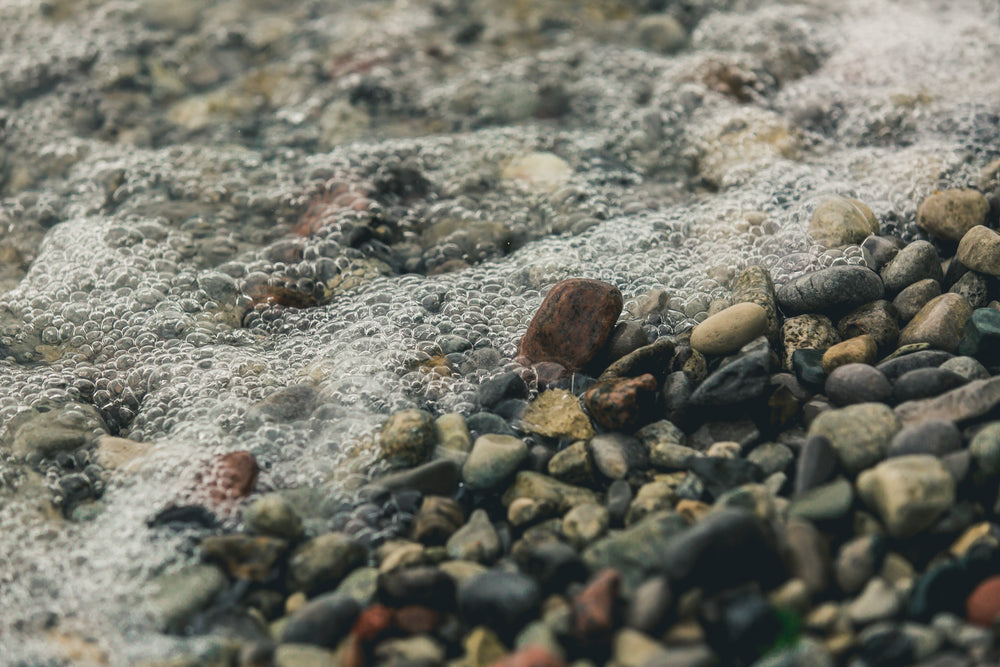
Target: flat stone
939 323
754 285
829 290
740 378
572 324
877 319
730 329
937 437
949 214
857 383
925 383
806 332
815 465
841 221
917 261
970 401
476 541
320 564
914 297
621 403
896 366
617 455
557 413
858 350
908 492
493 459
980 250
860 433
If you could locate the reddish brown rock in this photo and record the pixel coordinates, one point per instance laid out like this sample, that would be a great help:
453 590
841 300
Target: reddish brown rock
620 404
574 321
594 608
531 656
373 621
415 619
983 605
230 478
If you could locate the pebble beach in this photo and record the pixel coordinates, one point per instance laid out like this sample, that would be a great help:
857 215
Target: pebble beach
465 333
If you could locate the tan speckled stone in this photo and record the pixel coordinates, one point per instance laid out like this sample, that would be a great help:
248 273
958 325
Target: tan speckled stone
949 214
730 329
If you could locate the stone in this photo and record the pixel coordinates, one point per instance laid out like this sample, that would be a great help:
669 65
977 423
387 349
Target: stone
830 290
635 551
361 584
806 332
421 585
983 605
228 479
436 520
917 261
721 474
540 171
483 423
531 656
322 621
493 459
858 350
858 560
816 464
967 367
654 359
985 448
981 337
174 598
572 324
878 601
651 497
114 453
572 464
452 431
771 457
632 648
730 329
435 478
476 541
908 492
857 383
539 487
592 616
244 556
739 378
419 650
877 319
45 433
622 403
505 385
503 601
287 404
665 444
879 250
319 564
273 515
616 455
949 214
925 383
841 221
303 655
557 413
753 284
407 437
979 250
822 503
585 523
969 401
483 647
626 338
975 287
937 437
661 33
939 323
896 366
860 433
911 299
808 554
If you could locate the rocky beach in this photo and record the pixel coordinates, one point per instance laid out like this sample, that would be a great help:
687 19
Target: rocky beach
471 333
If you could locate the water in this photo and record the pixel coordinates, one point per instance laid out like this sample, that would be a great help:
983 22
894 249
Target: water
161 161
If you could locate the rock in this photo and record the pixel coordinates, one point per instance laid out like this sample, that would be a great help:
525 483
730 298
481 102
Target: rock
635 551
808 554
436 520
740 626
911 299
617 455
661 33
878 601
721 474
361 584
729 330
877 319
287 404
476 541
908 492
983 605
42 434
540 171
175 598
981 337
925 383
303 655
503 601
879 250
858 560
859 433
421 585
857 383
113 453
829 290
840 221
556 413
243 556
434 478
572 464
806 332
937 437
917 261
969 401
949 214
483 423
273 515
967 367
822 503
483 647
771 457
452 431
322 621
665 444
592 616
979 250
632 648
530 656
893 367
320 564
493 459
985 448
626 338
939 323
754 285
572 324
539 487
651 497
654 359
858 350
975 287
407 437
505 385
585 523
740 378
816 464
622 403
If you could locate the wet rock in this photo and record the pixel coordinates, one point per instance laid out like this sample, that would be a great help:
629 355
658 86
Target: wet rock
503 601
593 614
320 564
939 323
650 606
44 433
585 523
557 413
981 337
937 437
771 457
539 487
617 455
730 329
739 626
113 453
822 503
416 585
754 285
493 459
651 497
877 319
477 540
302 655
288 404
322 621
917 261
808 554
665 444
858 561
908 492
437 519
407 437
635 552
841 221
721 474
572 464
857 350
243 556
484 423
969 401
452 432
879 250
654 359
816 464
878 601
857 383
621 403
983 605
505 385
436 478
925 383
572 324
979 250
975 287
911 299
175 598
967 367
894 367
806 332
661 33
829 290
273 515
985 448
544 172
859 433
949 214
740 378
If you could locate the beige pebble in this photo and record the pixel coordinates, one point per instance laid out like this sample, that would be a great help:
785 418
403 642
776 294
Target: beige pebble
858 350
729 329
115 452
980 250
949 214
939 323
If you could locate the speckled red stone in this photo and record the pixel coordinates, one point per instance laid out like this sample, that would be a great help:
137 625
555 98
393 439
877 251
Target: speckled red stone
572 324
983 605
619 403
532 656
372 622
594 607
230 478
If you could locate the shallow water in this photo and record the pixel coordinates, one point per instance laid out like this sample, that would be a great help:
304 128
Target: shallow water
151 149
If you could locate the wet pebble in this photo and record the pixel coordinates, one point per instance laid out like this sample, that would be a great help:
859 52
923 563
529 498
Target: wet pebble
979 250
912 298
937 437
806 332
859 433
740 378
503 601
730 329
493 459
320 564
925 383
858 350
836 288
322 621
407 437
908 492
622 403
841 221
617 455
939 323
949 214
857 383
917 261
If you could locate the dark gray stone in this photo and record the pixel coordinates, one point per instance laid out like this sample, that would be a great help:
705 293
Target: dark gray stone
937 437
816 465
893 368
616 455
740 378
836 288
482 423
925 383
720 474
857 383
505 385
323 621
917 261
503 601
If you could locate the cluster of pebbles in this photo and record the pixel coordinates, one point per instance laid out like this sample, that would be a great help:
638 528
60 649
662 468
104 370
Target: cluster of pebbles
808 477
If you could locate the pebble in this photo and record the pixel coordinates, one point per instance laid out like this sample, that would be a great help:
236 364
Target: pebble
320 564
841 221
967 367
911 299
973 286
829 501
917 261
754 285
835 288
636 551
661 33
476 541
860 433
541 171
557 413
244 556
593 610
949 214
452 432
908 492
422 585
505 385
981 337
876 602
979 250
858 350
939 323
857 383
816 464
114 453
740 378
808 554
573 322
322 621
771 457
482 423
436 520
439 478
538 487
985 448
175 598
877 319
503 601
632 648
969 401
303 655
924 358
937 437
806 332
585 524
925 383
730 329
879 250
617 455
530 656
407 437
493 459
665 443
573 464
621 403
273 515
858 560
983 605
228 479
651 497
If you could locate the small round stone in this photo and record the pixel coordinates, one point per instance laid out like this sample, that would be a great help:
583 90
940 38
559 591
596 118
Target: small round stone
936 437
911 299
979 250
493 459
407 437
857 383
273 515
949 214
730 329
983 605
858 350
860 433
840 221
939 323
917 261
908 492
